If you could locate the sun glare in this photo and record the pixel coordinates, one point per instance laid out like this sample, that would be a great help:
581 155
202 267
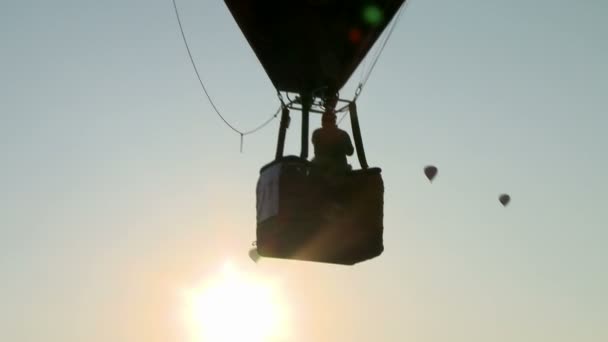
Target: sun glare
235 307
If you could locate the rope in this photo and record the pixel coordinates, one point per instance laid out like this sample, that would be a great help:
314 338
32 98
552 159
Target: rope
343 117
377 57
200 80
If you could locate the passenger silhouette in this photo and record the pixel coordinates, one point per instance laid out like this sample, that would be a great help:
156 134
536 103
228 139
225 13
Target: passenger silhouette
331 146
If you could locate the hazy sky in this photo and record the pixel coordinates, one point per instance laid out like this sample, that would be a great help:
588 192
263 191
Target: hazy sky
119 186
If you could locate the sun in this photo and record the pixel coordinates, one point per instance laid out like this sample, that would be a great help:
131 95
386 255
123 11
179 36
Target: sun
235 307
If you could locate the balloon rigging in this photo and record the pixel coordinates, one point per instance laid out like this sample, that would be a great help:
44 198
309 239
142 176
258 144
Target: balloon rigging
301 213
365 74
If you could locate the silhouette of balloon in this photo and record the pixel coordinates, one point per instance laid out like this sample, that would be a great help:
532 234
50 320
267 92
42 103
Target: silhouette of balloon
504 199
430 172
253 254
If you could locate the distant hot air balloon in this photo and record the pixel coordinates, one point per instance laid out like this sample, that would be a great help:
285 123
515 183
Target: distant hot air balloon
504 199
253 254
430 172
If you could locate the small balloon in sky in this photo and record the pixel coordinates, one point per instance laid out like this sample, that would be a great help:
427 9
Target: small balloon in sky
430 172
504 199
253 254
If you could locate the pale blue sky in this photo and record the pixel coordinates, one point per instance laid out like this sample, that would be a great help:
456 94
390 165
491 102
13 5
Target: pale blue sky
119 185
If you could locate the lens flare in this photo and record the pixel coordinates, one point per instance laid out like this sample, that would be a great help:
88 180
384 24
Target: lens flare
372 15
354 35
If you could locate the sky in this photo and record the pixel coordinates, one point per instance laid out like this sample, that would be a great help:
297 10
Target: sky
119 186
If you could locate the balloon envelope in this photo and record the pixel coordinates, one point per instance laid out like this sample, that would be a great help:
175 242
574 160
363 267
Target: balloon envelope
306 45
504 199
430 172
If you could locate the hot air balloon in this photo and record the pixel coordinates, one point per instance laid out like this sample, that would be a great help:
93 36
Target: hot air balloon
430 172
504 199
309 50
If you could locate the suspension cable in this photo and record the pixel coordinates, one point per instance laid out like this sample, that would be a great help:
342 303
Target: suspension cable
344 115
200 80
365 77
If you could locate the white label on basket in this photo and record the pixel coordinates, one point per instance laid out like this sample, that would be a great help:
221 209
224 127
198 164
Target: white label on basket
267 193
